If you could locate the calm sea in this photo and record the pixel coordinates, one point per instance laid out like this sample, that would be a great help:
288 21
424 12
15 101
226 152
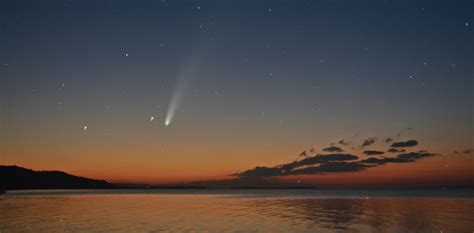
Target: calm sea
237 211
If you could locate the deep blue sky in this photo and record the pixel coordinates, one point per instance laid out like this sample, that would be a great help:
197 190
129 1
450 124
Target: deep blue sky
267 77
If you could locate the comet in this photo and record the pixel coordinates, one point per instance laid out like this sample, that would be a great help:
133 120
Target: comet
174 103
183 81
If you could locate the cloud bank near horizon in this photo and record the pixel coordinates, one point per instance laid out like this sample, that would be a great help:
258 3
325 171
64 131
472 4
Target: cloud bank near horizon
335 160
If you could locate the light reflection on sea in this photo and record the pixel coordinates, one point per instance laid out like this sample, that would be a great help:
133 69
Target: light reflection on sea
235 210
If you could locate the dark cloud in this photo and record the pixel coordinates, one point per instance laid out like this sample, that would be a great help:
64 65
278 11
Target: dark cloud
333 149
343 142
368 142
373 152
261 172
393 150
415 155
289 168
318 159
408 143
327 158
401 158
379 160
329 163
331 167
337 162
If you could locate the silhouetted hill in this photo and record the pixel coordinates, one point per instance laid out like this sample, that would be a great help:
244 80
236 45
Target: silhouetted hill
14 177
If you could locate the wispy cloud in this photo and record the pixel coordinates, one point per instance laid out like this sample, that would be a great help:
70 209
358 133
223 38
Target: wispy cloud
368 142
401 158
373 152
408 143
343 142
393 150
333 149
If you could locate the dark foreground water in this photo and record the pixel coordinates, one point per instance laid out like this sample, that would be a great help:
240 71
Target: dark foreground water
237 210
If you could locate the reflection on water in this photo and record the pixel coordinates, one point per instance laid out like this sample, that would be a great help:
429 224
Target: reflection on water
227 212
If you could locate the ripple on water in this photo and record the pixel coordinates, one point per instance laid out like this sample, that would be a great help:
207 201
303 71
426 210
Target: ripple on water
215 213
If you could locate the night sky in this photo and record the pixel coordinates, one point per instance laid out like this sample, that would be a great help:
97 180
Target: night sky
176 91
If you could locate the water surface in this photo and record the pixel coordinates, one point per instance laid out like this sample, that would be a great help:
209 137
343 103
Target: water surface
236 210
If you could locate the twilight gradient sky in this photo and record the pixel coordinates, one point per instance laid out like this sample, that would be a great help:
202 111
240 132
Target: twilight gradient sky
253 83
